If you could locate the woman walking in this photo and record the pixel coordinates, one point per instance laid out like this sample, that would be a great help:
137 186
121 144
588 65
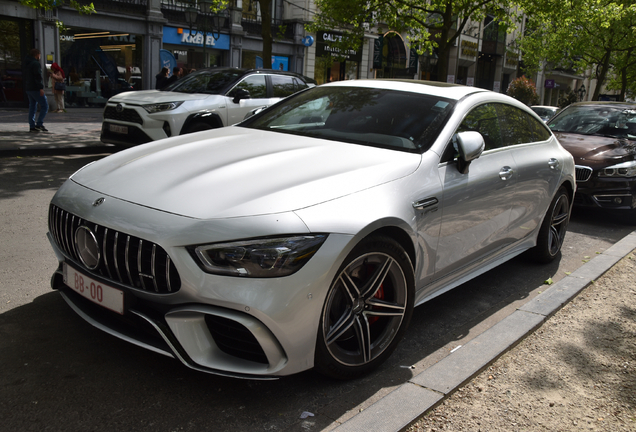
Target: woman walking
58 78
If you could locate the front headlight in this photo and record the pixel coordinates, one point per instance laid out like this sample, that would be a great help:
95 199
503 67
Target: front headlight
625 169
259 258
167 106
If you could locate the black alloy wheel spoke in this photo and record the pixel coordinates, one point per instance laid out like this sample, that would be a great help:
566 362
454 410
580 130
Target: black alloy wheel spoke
377 279
363 335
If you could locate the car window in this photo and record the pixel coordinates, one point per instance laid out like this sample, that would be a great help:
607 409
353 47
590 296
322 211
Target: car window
608 121
374 117
283 86
299 84
515 125
483 119
204 82
539 129
254 84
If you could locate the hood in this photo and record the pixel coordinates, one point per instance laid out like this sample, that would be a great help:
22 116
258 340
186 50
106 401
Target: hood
143 97
597 152
234 172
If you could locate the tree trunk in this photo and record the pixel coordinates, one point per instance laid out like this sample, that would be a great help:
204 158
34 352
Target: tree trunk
600 78
628 56
266 32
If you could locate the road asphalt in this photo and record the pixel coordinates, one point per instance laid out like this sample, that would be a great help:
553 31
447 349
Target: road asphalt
77 132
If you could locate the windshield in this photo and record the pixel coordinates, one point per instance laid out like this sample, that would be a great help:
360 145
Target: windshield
594 120
208 82
374 117
544 113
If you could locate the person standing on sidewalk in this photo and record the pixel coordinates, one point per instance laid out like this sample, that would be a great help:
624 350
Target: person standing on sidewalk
57 79
34 87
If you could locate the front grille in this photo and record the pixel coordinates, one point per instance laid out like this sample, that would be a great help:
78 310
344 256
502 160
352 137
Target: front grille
582 173
125 259
127 115
233 338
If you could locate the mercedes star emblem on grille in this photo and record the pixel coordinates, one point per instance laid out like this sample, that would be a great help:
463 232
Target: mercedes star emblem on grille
119 108
87 247
99 201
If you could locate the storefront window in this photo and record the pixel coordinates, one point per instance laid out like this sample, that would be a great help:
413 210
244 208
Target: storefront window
16 40
100 62
332 63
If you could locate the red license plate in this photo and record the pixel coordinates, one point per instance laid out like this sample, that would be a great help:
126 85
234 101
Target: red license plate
104 295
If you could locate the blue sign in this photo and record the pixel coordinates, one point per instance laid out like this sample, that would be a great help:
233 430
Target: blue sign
278 63
308 41
167 60
549 83
171 35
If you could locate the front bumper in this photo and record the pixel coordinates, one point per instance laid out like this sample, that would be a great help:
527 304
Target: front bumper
134 126
606 193
232 326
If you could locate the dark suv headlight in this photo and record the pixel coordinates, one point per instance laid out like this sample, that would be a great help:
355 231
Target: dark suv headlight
625 169
259 258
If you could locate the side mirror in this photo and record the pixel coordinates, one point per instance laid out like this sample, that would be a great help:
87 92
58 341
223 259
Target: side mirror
470 146
240 94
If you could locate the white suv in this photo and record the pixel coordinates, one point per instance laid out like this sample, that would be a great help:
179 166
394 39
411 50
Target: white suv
205 99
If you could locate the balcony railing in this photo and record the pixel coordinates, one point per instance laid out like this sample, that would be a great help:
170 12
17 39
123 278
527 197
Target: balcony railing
132 7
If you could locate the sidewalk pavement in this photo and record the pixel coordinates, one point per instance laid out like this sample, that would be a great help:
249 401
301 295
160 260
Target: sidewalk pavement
77 131
73 132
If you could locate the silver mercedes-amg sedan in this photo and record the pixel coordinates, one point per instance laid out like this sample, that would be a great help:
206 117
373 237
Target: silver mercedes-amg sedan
304 236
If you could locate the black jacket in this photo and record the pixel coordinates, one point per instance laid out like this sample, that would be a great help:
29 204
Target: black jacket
32 74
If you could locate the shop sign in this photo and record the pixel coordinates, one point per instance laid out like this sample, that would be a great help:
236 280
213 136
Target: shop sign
549 83
180 36
325 48
469 49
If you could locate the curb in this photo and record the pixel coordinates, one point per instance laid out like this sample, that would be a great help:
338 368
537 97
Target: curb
405 405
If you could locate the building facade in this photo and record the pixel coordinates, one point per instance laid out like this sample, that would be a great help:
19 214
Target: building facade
124 44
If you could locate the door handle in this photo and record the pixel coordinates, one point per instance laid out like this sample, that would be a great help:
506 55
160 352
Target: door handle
427 202
506 172
553 163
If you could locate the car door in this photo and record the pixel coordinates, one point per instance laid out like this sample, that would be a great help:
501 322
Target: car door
539 163
256 86
476 206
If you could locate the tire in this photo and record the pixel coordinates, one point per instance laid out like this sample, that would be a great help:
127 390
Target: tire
553 229
198 127
367 309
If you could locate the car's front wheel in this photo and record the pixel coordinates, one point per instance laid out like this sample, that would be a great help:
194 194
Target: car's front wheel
367 310
553 229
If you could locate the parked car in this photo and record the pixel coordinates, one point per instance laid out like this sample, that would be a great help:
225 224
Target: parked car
545 112
304 236
602 138
206 99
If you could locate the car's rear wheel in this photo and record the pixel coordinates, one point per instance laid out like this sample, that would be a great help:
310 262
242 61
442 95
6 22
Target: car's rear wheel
367 310
553 229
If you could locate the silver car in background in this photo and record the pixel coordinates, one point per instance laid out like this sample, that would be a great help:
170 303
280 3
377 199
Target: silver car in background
304 236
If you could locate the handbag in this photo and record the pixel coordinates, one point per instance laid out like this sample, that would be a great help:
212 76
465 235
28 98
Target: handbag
60 86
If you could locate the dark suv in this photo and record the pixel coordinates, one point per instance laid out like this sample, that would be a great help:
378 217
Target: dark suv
602 138
205 99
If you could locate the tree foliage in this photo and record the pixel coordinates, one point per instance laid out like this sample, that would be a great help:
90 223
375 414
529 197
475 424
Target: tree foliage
83 9
524 90
581 35
429 24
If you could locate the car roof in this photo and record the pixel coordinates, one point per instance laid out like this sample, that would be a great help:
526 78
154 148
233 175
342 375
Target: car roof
544 106
608 104
244 71
434 88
